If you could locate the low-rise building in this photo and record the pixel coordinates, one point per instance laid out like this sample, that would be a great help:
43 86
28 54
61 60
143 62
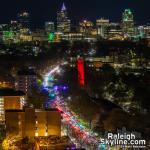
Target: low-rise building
31 122
10 99
7 82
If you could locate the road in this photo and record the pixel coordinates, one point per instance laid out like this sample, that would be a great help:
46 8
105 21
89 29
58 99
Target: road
79 134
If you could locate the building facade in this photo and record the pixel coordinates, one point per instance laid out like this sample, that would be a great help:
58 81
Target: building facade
24 19
63 23
33 123
10 99
26 79
49 27
102 25
86 27
128 23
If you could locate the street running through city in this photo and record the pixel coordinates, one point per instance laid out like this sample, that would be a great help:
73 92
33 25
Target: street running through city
70 120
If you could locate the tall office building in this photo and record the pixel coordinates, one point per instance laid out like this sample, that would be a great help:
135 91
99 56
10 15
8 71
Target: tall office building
86 27
24 19
14 25
114 32
63 23
147 31
102 25
49 27
128 23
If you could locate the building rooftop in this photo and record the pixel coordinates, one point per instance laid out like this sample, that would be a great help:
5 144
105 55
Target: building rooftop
14 110
6 78
63 7
11 92
49 109
36 110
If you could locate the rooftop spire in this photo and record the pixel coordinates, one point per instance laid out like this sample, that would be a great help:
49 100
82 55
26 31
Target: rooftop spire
63 7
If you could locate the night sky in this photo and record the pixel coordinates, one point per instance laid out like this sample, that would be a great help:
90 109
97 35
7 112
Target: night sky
43 10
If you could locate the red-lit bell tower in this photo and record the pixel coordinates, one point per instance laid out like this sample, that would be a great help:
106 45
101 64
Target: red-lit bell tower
81 71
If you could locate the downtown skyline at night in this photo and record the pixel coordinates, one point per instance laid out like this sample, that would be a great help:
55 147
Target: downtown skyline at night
42 11
74 75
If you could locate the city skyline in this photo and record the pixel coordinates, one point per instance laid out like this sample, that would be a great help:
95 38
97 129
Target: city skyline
74 75
91 11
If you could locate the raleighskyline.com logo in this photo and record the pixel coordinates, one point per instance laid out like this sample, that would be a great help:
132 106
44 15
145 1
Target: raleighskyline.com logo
123 140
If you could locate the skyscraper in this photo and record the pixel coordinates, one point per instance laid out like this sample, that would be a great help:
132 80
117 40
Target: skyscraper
49 27
63 23
128 23
102 25
86 27
24 19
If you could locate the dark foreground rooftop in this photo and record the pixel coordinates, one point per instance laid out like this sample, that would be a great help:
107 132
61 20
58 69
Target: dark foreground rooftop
36 110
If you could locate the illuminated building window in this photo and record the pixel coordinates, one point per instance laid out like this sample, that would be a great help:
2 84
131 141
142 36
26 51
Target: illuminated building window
36 134
46 134
22 102
19 122
1 108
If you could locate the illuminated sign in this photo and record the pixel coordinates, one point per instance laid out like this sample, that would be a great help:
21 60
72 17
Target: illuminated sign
8 34
51 37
